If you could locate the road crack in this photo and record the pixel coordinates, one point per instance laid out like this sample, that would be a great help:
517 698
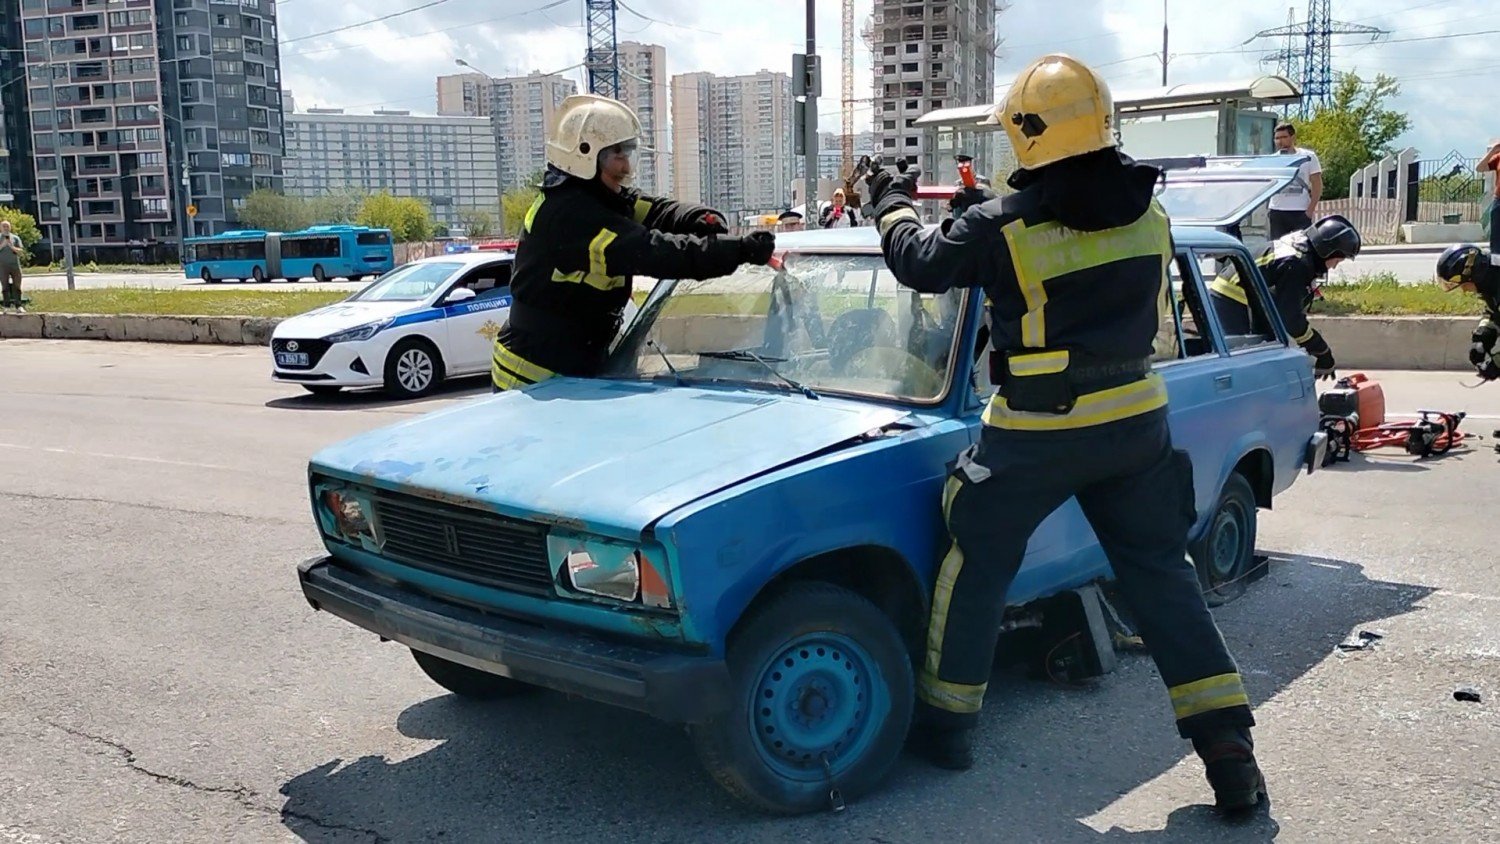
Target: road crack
244 795
160 508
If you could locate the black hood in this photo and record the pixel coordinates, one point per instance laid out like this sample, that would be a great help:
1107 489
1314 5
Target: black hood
1099 190
555 179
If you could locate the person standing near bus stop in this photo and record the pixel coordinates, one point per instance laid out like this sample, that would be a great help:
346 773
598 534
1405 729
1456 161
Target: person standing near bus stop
11 253
1295 206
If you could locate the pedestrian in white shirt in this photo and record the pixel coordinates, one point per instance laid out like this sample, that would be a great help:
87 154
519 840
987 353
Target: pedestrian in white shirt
1295 206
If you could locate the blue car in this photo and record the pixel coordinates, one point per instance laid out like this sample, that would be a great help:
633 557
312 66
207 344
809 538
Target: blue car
736 526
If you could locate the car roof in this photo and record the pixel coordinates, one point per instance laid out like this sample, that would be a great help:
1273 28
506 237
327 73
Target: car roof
867 239
467 258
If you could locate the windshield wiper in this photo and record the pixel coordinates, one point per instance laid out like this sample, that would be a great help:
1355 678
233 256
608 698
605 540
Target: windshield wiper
746 354
668 361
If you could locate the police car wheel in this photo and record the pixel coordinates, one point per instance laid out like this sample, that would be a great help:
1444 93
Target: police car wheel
413 369
1225 553
821 689
468 682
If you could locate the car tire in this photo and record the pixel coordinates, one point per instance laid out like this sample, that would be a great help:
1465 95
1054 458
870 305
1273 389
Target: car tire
466 682
208 277
356 277
318 274
258 275
1225 553
405 367
322 389
815 670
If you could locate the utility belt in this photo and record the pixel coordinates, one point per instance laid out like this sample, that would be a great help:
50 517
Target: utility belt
1052 380
591 335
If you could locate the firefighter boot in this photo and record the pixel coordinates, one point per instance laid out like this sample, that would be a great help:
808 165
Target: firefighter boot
943 746
1229 761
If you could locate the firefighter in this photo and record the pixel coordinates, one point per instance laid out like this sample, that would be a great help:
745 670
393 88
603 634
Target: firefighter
586 235
1074 265
1292 267
1467 267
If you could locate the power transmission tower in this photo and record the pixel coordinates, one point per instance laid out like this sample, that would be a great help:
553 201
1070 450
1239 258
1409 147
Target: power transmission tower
603 60
1316 55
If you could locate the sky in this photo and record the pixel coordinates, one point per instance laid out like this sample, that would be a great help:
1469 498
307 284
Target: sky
394 63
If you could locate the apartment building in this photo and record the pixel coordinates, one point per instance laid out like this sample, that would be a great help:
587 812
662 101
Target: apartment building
464 94
929 55
730 140
16 184
163 106
643 87
449 162
521 110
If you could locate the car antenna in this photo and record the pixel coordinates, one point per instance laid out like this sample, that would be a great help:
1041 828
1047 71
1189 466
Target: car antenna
668 361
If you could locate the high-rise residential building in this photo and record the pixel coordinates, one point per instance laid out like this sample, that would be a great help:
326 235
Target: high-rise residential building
928 55
643 87
730 146
464 94
16 184
521 110
446 161
151 96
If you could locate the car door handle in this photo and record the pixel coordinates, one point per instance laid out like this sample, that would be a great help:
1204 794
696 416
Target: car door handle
1223 382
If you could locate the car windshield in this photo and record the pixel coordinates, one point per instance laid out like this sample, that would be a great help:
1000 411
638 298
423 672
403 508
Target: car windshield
827 323
1212 200
407 283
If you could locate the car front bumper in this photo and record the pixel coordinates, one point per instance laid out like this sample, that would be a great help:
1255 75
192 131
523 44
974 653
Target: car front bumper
674 687
337 367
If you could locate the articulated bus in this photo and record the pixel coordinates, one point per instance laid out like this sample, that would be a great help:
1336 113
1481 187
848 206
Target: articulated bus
319 252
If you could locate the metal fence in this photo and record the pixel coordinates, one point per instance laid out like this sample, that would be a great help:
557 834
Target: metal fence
1449 189
1378 220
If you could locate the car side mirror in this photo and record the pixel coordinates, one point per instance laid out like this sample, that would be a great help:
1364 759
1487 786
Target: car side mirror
460 294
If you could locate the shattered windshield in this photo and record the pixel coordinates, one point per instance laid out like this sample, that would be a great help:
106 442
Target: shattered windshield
823 323
1217 201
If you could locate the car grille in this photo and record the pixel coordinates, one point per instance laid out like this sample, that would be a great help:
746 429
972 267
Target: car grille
479 547
315 350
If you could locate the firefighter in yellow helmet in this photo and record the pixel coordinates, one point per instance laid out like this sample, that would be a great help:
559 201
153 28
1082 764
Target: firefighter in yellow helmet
1074 265
584 238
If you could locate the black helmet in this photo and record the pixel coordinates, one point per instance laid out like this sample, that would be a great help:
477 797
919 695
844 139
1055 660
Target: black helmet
1333 236
1459 264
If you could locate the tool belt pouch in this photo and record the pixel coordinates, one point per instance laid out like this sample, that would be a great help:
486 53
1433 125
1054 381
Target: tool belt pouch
1038 383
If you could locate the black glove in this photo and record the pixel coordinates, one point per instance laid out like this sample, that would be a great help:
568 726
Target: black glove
967 198
756 248
1490 371
1478 353
1323 365
888 192
707 222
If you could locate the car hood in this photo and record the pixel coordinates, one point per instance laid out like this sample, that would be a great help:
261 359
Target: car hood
595 454
340 316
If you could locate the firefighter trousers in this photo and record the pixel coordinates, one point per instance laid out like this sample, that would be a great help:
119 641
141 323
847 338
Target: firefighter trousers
1137 492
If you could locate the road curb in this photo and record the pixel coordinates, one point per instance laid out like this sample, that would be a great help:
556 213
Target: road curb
1371 342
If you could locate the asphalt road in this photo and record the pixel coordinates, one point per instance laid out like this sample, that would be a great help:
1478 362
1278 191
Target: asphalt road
162 679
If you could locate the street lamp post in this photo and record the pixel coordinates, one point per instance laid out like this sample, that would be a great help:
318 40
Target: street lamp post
60 187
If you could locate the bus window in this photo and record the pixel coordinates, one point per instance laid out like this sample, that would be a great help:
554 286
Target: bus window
310 247
374 239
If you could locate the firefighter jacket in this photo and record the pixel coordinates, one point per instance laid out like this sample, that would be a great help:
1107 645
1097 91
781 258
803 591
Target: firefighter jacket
1291 269
581 244
1074 266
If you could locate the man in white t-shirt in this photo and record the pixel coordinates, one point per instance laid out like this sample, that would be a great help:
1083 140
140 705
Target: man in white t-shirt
1294 208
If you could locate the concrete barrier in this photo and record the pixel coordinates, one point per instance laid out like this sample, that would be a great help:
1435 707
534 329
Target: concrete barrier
1398 342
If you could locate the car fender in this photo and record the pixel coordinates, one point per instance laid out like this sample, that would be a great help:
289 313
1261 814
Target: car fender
1236 450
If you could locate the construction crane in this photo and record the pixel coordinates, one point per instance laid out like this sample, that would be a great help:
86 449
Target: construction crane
847 165
603 58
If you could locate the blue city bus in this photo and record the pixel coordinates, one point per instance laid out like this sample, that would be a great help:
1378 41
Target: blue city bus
318 252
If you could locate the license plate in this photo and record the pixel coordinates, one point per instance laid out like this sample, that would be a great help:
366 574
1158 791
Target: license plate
291 359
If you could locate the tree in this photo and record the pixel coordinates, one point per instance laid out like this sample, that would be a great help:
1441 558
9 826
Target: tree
22 225
341 205
1354 129
514 206
477 222
265 209
408 219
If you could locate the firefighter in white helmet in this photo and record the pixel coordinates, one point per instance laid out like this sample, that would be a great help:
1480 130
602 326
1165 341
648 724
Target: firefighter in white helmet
1074 265
584 238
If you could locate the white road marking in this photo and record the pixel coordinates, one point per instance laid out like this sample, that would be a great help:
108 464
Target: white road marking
104 456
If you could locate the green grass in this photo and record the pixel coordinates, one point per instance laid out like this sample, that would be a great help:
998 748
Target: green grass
140 300
1379 294
114 269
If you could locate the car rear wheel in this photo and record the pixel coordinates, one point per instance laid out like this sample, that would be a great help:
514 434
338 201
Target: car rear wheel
1225 553
821 690
413 369
318 274
468 682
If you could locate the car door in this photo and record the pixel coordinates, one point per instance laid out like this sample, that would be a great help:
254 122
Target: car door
473 323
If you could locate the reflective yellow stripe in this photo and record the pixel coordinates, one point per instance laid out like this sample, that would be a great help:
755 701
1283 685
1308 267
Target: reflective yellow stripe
1229 290
1221 691
522 367
505 380
1050 250
1303 338
1042 363
1095 408
884 223
531 212
597 274
953 697
642 209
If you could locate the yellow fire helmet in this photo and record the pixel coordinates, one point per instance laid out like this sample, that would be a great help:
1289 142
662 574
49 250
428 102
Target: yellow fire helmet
1057 108
584 125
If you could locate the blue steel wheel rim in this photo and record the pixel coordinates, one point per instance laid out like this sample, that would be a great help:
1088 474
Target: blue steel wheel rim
1227 542
822 693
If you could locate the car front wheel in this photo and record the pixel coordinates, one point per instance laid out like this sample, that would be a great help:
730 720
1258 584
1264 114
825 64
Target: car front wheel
467 682
413 369
1225 553
822 688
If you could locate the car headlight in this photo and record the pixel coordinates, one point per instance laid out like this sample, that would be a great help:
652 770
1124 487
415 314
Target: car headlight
605 569
345 513
363 332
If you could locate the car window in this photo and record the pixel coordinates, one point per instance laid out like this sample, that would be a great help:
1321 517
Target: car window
835 323
487 281
407 283
1184 329
1244 313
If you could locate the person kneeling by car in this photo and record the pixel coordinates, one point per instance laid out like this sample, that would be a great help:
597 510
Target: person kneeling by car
584 238
1467 267
1292 266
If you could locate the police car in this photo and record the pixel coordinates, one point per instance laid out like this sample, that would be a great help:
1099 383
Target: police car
406 331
